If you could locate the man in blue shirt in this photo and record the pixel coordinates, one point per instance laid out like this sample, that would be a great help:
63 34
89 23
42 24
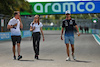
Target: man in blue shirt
68 24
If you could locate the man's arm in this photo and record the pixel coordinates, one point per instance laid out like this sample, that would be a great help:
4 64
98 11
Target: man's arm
77 30
21 25
9 26
62 30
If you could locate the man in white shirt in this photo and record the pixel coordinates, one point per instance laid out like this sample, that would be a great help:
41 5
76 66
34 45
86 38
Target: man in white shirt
15 25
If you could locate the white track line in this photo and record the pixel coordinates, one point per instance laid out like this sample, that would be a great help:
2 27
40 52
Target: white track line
96 39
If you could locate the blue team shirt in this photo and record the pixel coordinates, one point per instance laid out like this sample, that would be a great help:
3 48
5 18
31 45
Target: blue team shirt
69 27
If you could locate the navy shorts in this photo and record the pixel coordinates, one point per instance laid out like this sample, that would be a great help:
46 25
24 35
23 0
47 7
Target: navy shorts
15 39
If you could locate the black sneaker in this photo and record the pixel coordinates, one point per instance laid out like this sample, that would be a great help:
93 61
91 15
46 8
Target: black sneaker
14 57
19 57
36 57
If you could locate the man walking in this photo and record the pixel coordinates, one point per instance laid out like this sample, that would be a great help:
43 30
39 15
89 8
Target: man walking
69 24
14 25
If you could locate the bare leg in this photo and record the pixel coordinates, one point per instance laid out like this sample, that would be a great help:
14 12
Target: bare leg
72 46
73 52
18 48
67 46
14 50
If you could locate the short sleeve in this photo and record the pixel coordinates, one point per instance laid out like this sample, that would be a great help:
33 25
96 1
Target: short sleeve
74 24
13 22
9 23
41 25
31 24
63 24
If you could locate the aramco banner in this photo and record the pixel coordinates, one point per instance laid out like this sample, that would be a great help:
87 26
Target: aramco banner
76 7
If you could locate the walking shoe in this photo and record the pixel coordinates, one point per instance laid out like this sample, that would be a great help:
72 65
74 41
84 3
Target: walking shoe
14 57
19 57
68 59
36 57
73 57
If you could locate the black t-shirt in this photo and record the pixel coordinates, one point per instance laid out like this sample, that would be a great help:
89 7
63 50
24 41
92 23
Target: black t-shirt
69 26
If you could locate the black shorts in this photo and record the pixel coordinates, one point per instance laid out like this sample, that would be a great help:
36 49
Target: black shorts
15 39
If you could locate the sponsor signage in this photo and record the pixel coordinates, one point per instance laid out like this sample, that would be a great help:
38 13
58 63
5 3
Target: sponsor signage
76 7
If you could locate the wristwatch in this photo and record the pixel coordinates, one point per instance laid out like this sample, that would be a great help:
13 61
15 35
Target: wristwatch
13 26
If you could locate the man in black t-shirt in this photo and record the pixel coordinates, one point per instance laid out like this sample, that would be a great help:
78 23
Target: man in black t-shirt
68 24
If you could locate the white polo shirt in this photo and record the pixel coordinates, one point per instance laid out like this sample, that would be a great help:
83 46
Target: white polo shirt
15 31
37 27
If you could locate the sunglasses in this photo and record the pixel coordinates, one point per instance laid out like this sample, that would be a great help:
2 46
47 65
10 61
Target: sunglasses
67 14
36 18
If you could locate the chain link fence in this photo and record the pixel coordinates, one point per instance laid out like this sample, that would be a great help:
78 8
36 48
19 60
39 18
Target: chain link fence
50 23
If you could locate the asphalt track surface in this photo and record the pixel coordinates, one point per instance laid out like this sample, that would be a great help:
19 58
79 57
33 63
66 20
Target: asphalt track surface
52 52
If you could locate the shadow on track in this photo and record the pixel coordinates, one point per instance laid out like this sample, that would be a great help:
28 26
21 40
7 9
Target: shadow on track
27 60
81 61
38 59
46 59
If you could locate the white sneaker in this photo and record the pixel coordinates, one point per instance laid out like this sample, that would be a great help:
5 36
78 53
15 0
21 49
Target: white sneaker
68 59
73 57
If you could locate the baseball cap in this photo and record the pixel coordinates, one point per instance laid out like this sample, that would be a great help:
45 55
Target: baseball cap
67 12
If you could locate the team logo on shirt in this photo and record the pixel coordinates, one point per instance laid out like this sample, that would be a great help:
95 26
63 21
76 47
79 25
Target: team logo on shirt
71 22
66 23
